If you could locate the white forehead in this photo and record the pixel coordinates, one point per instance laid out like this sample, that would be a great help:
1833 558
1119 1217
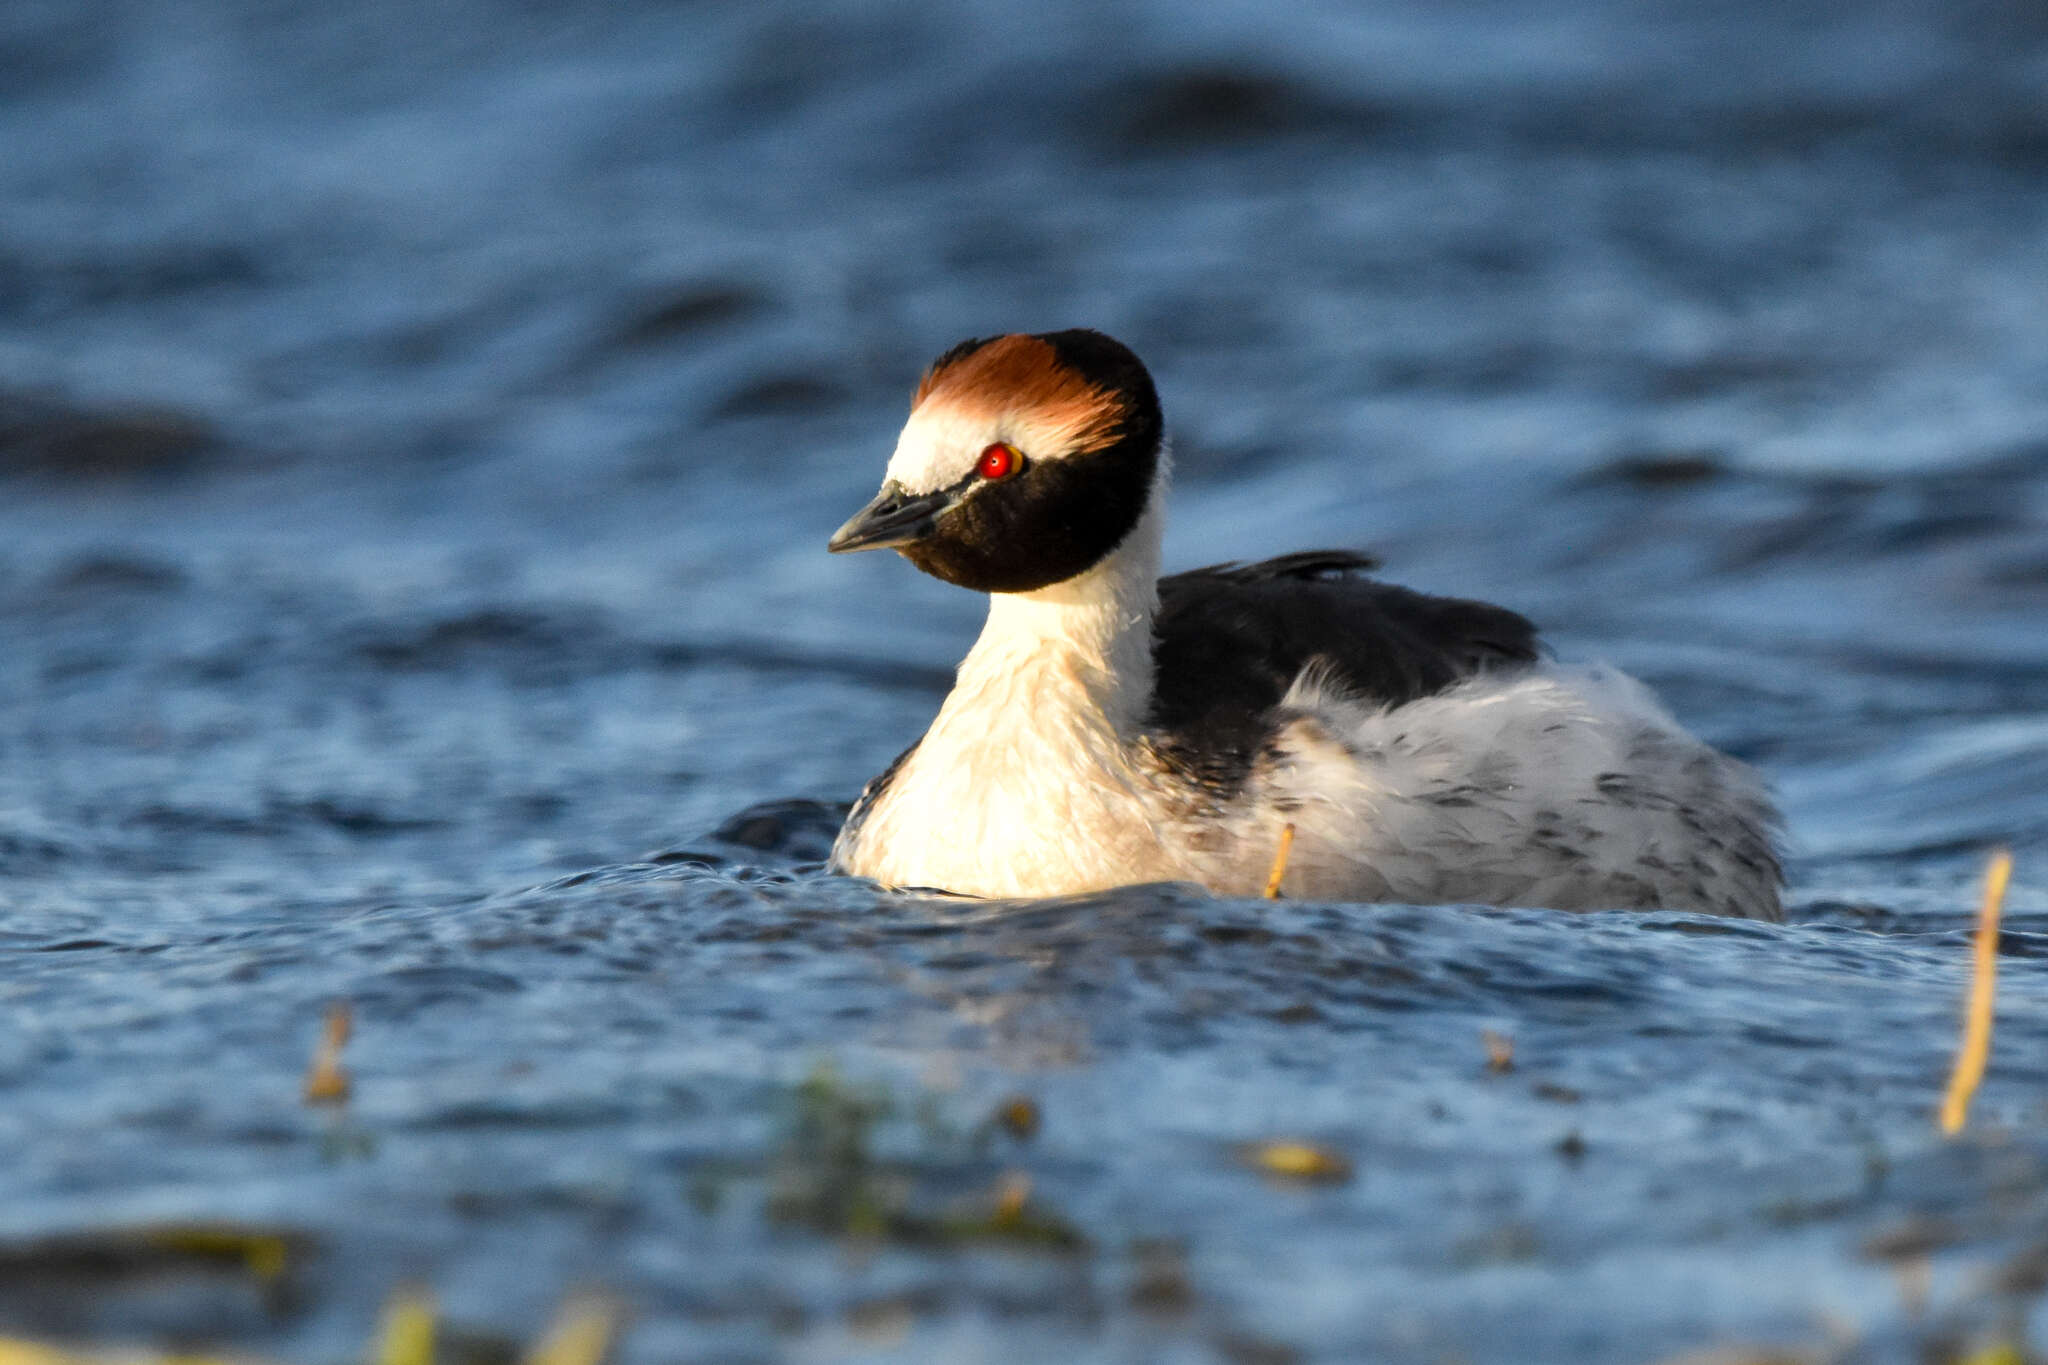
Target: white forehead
940 443
943 439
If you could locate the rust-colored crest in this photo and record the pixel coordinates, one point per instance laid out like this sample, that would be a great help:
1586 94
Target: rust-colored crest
1023 377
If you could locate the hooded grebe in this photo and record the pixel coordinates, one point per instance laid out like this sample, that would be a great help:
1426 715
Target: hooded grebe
1111 726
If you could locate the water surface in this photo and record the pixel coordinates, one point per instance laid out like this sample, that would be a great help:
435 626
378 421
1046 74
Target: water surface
418 433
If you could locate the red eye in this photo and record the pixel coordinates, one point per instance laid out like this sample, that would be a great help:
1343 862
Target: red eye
999 461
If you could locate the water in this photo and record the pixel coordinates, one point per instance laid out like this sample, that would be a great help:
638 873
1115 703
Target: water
418 433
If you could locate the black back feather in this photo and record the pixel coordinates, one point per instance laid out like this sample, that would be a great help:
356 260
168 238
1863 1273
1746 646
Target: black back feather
1231 638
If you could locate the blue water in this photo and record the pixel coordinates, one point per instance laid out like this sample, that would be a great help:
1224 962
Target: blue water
419 428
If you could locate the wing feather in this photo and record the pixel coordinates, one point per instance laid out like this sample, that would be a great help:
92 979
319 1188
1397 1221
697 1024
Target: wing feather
1230 640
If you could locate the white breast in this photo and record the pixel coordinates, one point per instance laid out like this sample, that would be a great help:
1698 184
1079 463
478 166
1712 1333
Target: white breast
1008 795
1030 781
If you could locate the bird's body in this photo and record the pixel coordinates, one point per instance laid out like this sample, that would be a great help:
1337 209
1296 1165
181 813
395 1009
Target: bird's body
1111 727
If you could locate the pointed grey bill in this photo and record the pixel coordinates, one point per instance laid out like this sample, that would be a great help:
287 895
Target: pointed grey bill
894 518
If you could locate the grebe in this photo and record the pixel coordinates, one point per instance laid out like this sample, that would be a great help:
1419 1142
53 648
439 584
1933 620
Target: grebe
1110 726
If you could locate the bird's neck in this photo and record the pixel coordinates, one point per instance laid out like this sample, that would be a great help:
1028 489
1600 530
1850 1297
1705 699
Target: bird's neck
1079 651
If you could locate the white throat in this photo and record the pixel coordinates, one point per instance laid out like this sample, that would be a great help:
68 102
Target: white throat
1084 644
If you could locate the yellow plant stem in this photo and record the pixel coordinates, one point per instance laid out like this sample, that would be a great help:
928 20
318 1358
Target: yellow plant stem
406 1336
581 1335
326 1081
1976 1049
1280 862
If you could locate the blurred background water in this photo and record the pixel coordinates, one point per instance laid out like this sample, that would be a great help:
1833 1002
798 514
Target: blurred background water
419 428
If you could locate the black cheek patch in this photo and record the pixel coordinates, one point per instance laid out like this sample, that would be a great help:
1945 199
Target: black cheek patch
1056 520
